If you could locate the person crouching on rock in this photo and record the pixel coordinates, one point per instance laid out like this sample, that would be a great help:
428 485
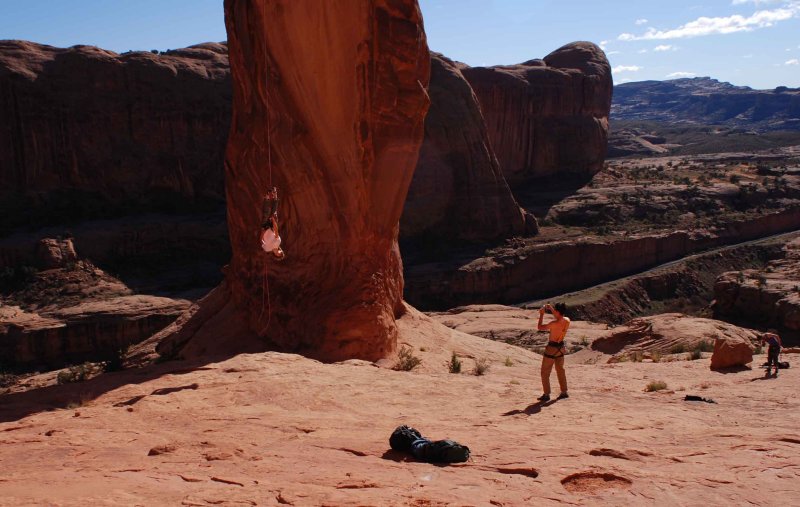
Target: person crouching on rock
555 351
772 339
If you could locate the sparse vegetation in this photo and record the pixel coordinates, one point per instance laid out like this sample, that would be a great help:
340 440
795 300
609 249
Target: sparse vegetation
76 373
454 366
508 362
656 385
695 355
16 277
678 348
758 350
761 280
481 367
636 356
584 341
656 356
406 360
704 346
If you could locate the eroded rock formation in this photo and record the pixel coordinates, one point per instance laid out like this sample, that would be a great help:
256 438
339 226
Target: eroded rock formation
334 96
458 191
547 117
86 132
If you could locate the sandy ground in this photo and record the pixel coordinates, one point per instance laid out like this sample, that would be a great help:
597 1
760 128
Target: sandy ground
279 429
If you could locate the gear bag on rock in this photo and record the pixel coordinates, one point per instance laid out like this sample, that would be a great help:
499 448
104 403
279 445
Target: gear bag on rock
407 439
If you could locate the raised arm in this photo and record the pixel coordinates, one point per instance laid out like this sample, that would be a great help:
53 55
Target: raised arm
541 326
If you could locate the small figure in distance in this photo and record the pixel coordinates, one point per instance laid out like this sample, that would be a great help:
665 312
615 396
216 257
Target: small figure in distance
772 339
270 237
555 351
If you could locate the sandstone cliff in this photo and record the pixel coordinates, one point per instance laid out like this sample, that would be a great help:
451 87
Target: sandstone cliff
458 191
547 117
86 132
334 96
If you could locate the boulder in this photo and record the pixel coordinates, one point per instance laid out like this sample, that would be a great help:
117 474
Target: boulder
547 117
732 352
458 192
56 253
328 106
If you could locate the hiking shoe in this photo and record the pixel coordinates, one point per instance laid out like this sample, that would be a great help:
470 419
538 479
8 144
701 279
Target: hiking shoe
544 397
563 396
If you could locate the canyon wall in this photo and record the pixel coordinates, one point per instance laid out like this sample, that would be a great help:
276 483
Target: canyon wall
547 117
458 192
88 133
516 274
329 101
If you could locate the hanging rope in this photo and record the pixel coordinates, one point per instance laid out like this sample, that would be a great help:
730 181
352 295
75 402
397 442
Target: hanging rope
265 286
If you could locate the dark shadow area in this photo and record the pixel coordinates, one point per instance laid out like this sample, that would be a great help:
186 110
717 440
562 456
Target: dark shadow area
16 406
532 409
400 457
539 195
732 369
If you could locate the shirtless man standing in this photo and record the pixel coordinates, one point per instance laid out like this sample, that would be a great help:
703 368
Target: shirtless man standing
555 350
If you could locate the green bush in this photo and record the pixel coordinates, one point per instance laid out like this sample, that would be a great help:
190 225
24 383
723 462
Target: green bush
406 360
481 367
695 355
455 364
75 373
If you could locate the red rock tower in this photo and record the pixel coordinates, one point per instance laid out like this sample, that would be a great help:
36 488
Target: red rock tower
332 96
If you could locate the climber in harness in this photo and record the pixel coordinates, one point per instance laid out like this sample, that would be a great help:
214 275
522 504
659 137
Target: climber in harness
555 351
270 237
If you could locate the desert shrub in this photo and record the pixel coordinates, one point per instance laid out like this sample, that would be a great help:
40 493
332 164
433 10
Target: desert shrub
740 277
74 373
406 360
481 367
735 178
455 364
508 362
761 280
758 349
695 355
678 348
636 356
656 385
705 346
655 356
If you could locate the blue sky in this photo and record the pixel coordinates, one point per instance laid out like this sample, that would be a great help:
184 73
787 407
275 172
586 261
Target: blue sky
747 42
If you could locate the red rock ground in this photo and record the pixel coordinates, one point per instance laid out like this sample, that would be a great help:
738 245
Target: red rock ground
279 429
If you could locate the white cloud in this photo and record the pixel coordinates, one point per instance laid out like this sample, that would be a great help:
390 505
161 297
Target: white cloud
624 80
642 51
626 68
603 44
793 61
720 25
640 21
609 53
677 75
665 47
757 2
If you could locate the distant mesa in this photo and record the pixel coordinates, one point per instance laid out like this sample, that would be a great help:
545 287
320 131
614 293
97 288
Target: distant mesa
707 101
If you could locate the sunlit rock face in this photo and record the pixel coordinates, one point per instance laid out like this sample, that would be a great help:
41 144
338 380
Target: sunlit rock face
547 117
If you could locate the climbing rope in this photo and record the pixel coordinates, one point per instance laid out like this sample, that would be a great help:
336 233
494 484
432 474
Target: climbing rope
265 286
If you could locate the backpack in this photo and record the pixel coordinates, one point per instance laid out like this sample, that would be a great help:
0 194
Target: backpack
783 365
402 438
440 451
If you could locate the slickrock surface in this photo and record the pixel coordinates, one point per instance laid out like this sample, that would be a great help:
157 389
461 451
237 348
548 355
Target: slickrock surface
86 132
547 117
279 429
671 332
335 99
770 296
458 192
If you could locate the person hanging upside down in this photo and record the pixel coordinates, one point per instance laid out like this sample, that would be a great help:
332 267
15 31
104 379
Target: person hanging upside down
270 236
555 351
